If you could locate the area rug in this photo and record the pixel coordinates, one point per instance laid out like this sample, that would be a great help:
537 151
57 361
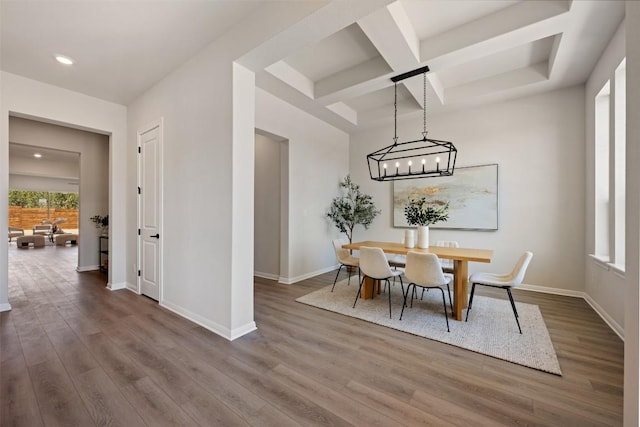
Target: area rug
491 328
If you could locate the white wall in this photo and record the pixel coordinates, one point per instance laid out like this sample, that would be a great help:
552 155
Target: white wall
29 98
42 183
94 174
267 207
604 287
632 273
44 167
538 143
318 160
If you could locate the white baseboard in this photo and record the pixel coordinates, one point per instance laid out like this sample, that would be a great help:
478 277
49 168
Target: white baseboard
268 276
603 314
554 291
217 329
116 286
87 268
243 330
5 307
292 280
133 288
577 294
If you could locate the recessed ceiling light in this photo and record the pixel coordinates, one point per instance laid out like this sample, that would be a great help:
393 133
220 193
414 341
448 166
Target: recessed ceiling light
37 155
64 60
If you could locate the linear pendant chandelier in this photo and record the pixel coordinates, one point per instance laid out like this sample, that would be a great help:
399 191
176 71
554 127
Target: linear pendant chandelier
422 158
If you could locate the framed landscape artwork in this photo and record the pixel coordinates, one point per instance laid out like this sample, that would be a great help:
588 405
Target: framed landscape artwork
472 193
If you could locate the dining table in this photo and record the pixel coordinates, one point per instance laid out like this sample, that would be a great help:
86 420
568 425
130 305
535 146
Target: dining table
460 256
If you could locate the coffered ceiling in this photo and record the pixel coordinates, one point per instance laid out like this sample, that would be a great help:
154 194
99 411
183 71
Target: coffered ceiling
337 67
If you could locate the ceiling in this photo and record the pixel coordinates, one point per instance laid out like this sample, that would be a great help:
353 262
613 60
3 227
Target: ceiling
478 51
26 152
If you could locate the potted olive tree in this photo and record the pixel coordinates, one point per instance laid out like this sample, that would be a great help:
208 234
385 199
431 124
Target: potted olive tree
352 208
422 214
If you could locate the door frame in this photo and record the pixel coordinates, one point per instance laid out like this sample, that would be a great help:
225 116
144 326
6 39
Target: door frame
159 123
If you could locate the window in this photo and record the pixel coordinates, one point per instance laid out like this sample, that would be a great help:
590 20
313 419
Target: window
602 103
610 169
619 153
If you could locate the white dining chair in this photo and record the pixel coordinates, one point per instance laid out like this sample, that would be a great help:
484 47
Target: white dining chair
374 264
345 259
447 264
503 281
423 270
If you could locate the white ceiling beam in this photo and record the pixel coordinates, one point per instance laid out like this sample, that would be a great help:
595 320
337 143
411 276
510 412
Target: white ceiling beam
364 78
292 77
390 31
344 111
522 23
516 25
287 93
319 24
499 83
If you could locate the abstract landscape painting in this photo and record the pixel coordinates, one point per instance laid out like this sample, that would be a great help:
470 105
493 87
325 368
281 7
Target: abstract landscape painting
472 193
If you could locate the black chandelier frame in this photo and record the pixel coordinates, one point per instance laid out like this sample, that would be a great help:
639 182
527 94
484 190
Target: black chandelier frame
396 161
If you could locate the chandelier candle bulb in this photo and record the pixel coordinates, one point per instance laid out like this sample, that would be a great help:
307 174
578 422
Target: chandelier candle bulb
384 166
409 167
397 167
423 162
437 164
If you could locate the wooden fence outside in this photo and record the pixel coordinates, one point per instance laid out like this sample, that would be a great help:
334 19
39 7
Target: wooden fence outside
26 218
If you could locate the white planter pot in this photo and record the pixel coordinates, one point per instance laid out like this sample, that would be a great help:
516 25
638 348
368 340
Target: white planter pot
409 239
423 236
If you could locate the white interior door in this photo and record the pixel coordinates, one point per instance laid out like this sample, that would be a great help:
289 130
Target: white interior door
149 190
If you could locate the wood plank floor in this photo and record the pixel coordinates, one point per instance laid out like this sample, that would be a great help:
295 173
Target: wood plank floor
73 353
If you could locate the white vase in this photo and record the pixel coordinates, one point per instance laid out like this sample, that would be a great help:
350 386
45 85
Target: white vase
409 239
423 236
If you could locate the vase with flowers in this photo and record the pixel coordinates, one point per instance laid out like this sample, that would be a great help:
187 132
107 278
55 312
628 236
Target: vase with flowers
422 214
101 222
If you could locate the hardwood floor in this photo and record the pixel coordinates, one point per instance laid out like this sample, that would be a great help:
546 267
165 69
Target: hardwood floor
74 353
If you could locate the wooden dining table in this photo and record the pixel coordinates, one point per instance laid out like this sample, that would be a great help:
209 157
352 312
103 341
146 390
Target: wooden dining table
460 256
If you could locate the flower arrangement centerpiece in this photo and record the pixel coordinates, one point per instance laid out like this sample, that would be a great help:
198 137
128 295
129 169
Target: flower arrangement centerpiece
101 222
422 214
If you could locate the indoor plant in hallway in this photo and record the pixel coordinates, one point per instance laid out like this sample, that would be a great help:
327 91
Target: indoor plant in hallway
352 208
101 222
420 213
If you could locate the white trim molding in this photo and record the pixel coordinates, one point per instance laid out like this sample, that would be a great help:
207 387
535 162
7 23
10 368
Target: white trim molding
87 268
214 327
5 307
116 286
291 281
268 276
619 330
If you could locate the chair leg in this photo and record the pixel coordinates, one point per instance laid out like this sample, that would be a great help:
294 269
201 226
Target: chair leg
473 289
389 283
513 305
336 279
444 304
449 292
406 295
348 268
358 294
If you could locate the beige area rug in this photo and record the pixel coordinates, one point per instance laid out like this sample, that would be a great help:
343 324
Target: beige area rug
491 328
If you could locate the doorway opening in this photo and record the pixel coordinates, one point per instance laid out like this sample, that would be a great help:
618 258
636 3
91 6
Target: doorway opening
58 178
271 201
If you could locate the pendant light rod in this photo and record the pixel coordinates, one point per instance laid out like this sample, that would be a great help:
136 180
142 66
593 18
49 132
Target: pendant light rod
409 74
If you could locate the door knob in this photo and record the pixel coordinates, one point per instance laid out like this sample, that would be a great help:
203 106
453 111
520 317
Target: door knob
157 236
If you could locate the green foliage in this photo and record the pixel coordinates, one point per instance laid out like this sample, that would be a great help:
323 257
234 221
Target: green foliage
100 221
352 208
31 199
418 212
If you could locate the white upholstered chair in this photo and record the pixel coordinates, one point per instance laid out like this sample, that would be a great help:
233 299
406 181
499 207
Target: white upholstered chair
503 281
345 259
423 270
447 264
374 264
